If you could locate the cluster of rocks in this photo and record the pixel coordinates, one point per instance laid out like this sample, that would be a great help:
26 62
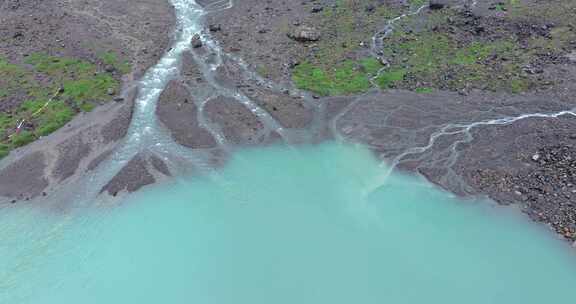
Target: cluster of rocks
549 191
304 34
545 189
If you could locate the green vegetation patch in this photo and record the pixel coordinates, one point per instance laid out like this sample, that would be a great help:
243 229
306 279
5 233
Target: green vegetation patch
414 4
66 87
111 59
59 67
348 77
390 78
448 50
443 49
430 59
336 68
348 25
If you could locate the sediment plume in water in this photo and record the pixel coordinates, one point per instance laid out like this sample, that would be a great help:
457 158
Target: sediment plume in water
284 226
281 224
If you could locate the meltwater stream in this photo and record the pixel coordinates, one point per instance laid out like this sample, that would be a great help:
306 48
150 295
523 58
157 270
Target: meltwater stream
278 225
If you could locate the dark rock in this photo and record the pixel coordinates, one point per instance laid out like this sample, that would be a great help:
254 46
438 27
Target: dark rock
214 27
317 9
384 61
196 41
530 69
438 4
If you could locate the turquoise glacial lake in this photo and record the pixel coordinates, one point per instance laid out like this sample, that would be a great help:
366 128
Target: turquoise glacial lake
284 226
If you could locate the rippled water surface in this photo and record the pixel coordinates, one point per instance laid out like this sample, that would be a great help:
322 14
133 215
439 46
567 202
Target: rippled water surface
280 225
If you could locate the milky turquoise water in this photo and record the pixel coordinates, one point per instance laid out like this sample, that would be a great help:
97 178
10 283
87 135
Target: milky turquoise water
280 225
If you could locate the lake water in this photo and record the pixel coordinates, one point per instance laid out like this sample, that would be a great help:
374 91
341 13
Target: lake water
280 225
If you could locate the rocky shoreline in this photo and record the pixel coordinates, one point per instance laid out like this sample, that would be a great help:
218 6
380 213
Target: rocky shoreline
514 147
526 161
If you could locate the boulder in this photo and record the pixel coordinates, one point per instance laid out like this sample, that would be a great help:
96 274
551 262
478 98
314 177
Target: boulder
196 41
214 27
109 69
384 61
304 34
438 4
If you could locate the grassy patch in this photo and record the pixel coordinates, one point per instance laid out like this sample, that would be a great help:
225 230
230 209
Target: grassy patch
309 77
59 67
436 60
22 139
12 78
424 90
82 81
69 86
417 3
348 77
390 78
112 59
444 54
94 88
441 49
56 115
346 26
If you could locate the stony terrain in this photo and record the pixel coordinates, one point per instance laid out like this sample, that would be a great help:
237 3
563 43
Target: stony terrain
468 94
465 63
61 65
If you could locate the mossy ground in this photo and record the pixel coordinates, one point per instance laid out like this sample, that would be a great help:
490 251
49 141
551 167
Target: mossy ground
111 59
445 49
334 68
51 90
347 77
